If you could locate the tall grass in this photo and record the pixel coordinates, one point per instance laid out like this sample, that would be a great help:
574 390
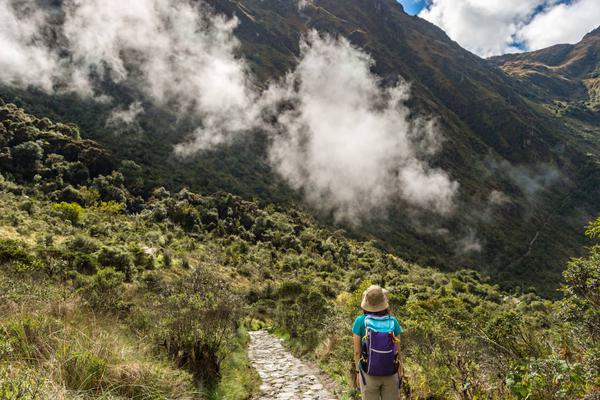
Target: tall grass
239 381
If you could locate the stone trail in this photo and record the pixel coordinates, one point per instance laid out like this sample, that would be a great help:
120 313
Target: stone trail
283 375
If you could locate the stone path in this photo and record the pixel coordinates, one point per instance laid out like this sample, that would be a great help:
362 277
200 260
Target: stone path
283 375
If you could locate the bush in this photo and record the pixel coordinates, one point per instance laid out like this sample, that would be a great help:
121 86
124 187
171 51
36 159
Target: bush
103 291
72 212
302 312
198 318
83 244
118 259
19 385
13 251
25 154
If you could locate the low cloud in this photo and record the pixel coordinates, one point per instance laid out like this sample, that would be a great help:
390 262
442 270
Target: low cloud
26 60
499 198
125 117
347 143
176 54
302 4
470 243
532 180
493 27
342 138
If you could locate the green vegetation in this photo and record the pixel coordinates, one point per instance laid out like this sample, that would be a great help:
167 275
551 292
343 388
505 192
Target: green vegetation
496 139
106 294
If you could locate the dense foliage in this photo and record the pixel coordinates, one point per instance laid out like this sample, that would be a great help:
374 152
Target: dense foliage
105 293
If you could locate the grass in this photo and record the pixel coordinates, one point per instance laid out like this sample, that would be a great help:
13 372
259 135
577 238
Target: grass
87 354
240 381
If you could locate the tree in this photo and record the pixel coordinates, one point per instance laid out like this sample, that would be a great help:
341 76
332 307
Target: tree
25 157
132 175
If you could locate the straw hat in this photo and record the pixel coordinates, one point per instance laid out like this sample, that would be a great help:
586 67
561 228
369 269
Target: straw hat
374 299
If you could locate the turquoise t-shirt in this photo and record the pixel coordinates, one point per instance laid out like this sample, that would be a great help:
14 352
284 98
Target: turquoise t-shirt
358 328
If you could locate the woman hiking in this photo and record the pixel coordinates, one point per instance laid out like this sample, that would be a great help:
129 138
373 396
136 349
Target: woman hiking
377 347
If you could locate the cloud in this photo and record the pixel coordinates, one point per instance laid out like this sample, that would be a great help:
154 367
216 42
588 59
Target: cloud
532 180
492 27
174 53
499 198
469 243
125 117
564 23
25 59
347 143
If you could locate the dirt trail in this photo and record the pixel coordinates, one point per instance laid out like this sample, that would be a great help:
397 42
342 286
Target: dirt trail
283 375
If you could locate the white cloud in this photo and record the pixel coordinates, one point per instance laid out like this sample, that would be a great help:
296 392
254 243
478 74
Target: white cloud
302 4
470 243
499 198
125 117
562 24
347 143
25 61
492 27
177 54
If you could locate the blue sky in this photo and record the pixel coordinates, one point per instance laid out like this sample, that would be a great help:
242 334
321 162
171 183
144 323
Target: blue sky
412 7
493 27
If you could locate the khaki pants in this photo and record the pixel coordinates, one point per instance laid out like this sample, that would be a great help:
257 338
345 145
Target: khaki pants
379 387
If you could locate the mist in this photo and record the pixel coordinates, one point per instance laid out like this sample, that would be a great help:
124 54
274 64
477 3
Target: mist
341 138
348 143
173 53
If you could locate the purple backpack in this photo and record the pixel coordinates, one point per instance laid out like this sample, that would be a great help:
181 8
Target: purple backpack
379 347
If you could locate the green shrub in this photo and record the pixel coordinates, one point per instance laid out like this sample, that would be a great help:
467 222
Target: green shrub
72 212
14 251
83 244
199 318
302 312
25 154
111 207
85 263
547 379
19 385
117 258
104 290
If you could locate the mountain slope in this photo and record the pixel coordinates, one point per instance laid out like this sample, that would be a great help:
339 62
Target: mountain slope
104 294
563 73
527 182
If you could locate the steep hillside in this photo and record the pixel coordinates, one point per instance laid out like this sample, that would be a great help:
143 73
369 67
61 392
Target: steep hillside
527 183
105 294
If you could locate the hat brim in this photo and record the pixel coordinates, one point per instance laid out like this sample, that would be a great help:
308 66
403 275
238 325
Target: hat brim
377 307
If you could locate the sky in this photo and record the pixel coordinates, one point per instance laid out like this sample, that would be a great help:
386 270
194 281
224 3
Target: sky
493 27
412 7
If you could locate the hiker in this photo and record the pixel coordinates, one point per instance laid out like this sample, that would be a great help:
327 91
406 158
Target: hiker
377 347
